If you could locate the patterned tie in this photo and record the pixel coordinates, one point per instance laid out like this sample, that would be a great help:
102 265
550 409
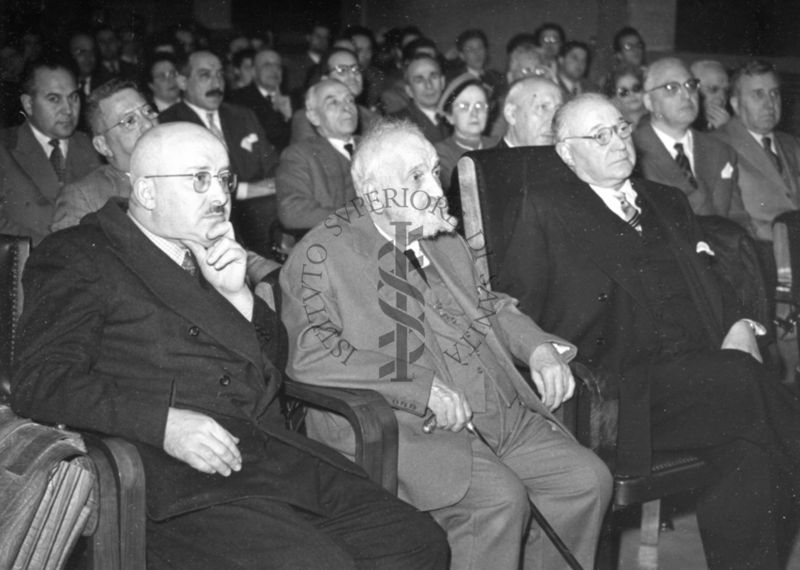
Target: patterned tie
767 142
212 126
630 213
350 149
685 166
189 264
57 159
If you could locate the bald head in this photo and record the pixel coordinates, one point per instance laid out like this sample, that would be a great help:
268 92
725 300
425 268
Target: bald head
714 82
161 146
529 108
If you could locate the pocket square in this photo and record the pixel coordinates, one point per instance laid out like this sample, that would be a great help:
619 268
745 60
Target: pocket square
703 247
727 171
248 142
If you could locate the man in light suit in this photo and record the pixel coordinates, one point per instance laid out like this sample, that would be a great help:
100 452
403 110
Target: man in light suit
314 174
384 295
47 152
253 158
140 324
769 160
618 266
672 153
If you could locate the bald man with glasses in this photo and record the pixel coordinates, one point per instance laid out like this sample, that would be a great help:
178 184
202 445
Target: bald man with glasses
673 153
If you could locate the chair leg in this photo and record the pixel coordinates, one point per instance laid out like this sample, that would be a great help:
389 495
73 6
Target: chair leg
648 539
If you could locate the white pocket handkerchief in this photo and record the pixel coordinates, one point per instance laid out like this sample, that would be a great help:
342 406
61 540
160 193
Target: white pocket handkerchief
249 141
727 172
703 247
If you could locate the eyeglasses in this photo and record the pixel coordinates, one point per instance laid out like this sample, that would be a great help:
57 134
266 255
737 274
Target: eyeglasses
464 106
629 46
346 69
603 135
202 180
133 119
673 87
625 91
534 71
166 75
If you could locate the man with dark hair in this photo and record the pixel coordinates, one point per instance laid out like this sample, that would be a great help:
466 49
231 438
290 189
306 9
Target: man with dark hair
162 80
46 148
243 68
573 67
424 85
769 159
263 96
473 55
629 47
318 39
111 65
81 48
139 323
550 37
364 42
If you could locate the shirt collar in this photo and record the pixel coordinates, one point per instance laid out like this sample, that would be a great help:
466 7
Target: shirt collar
609 197
413 246
760 138
44 142
264 92
338 144
203 114
687 141
173 250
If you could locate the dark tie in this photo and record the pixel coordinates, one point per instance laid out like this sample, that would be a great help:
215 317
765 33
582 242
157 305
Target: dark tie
683 163
189 264
350 149
767 142
414 260
269 100
57 159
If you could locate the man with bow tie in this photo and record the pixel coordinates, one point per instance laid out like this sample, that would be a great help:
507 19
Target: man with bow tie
383 294
618 266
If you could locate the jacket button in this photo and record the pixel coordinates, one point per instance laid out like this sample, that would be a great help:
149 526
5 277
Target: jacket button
225 380
602 297
194 330
600 341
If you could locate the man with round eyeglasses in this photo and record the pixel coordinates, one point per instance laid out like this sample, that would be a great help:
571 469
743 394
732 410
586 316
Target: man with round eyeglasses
139 323
528 110
671 152
618 265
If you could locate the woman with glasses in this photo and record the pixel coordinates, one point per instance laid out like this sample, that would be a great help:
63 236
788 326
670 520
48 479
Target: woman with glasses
465 105
625 88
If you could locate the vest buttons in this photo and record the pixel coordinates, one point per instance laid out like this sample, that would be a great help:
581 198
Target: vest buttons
225 380
194 330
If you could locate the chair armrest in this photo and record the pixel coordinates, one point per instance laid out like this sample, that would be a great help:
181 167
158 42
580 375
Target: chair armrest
373 422
119 539
597 411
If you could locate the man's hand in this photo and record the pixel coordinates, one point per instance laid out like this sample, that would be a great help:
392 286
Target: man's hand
716 115
741 336
552 376
449 405
283 105
198 440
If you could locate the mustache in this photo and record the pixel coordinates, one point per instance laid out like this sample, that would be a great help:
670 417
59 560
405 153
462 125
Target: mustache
214 92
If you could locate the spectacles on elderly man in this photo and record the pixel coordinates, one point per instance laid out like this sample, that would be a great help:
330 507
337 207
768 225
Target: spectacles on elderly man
346 69
673 87
602 136
202 180
132 119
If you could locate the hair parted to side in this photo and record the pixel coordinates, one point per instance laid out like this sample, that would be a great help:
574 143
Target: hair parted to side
106 90
364 169
752 68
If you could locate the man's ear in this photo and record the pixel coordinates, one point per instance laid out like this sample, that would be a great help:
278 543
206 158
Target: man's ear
27 104
563 150
735 104
510 113
313 117
409 92
101 146
648 102
144 193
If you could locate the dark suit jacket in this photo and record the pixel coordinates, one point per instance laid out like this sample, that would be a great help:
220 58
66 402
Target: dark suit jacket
127 72
29 185
715 169
433 132
276 127
764 191
313 180
252 156
571 275
114 333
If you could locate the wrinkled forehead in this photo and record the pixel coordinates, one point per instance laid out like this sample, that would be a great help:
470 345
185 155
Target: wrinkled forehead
341 58
670 72
331 91
266 57
182 151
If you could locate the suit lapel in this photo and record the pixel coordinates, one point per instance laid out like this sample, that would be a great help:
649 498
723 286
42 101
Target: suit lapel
33 160
660 160
749 149
177 289
706 163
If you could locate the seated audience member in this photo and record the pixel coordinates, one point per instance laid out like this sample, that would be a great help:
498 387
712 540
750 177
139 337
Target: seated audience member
364 41
81 48
618 265
300 68
629 47
314 177
769 160
466 107
573 65
550 38
227 484
625 88
528 110
670 152
366 290
163 81
473 53
263 96
424 85
46 150
11 68
340 64
111 66
715 88
243 68
118 116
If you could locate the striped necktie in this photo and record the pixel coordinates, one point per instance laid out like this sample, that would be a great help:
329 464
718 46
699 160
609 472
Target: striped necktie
57 160
213 127
630 213
684 164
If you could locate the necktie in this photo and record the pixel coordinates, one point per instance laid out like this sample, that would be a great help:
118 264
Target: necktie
350 149
630 213
57 159
212 126
415 263
683 162
269 100
767 142
189 264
